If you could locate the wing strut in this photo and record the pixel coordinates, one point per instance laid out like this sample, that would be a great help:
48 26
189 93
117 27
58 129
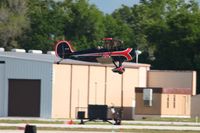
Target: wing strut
118 69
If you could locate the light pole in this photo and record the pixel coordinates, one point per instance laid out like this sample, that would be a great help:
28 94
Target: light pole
95 92
137 52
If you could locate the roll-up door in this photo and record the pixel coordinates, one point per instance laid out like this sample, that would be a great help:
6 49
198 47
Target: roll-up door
24 97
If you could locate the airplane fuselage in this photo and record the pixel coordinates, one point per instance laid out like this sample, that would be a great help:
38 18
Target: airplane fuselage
91 55
106 55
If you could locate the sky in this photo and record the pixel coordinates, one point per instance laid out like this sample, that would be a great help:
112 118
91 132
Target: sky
108 6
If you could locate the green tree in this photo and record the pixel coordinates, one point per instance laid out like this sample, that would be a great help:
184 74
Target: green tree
47 23
167 30
13 22
85 26
117 29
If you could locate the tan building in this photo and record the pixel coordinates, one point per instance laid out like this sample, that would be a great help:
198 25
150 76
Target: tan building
59 90
34 85
77 85
82 83
163 102
172 79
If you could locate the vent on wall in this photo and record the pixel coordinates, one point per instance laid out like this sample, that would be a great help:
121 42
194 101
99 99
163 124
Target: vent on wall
18 50
147 97
35 51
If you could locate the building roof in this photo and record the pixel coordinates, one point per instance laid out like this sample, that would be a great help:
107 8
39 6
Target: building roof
165 90
49 58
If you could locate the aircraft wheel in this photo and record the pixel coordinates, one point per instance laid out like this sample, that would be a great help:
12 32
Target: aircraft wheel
120 72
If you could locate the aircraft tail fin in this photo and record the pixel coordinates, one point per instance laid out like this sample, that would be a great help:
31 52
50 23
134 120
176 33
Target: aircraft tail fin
63 49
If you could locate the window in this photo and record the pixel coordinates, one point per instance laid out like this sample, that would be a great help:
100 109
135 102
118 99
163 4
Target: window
167 101
174 101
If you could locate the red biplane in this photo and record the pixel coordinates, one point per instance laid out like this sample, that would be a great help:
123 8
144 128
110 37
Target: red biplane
111 52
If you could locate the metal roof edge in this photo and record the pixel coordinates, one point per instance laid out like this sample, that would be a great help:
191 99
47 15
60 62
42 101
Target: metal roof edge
171 70
53 59
14 57
126 64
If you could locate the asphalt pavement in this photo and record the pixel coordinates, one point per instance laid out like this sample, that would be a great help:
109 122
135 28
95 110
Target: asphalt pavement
39 131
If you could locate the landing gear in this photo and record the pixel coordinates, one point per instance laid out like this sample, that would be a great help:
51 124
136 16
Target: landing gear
119 70
116 114
58 62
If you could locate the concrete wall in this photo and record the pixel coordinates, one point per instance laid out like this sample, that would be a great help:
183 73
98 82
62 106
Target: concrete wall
172 79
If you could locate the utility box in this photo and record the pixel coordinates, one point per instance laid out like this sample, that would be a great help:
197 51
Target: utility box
97 112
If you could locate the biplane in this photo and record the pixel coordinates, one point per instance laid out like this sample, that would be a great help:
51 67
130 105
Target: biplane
111 51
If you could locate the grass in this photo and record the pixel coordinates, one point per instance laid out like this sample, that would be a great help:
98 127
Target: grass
61 121
171 119
17 121
99 123
30 121
118 130
103 130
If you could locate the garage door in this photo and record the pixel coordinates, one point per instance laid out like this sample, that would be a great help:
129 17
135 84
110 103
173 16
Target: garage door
24 98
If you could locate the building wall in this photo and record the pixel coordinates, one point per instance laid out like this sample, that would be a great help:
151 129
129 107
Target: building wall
61 91
80 85
164 104
175 105
142 77
155 109
114 88
25 69
172 79
79 93
195 108
2 90
97 85
130 81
